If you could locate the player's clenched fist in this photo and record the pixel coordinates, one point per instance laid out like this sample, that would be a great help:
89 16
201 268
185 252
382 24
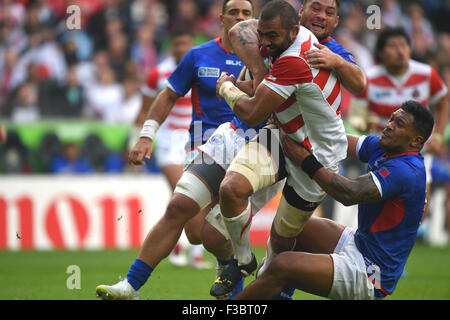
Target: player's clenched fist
224 76
143 148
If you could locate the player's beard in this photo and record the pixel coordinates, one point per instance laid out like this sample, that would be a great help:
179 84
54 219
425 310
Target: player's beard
278 50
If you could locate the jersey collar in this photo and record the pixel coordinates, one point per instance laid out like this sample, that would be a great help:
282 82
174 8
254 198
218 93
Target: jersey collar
326 39
219 41
386 157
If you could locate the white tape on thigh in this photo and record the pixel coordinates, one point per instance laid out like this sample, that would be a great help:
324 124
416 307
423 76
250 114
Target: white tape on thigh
289 221
255 163
193 187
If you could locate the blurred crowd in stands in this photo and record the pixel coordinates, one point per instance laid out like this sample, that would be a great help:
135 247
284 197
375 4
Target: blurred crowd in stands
95 73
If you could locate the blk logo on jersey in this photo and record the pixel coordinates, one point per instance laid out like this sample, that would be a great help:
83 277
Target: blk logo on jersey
233 63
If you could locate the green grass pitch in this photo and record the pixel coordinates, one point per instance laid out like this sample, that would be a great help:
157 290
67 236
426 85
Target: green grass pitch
42 275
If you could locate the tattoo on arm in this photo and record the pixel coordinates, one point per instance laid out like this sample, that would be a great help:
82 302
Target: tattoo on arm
247 33
362 189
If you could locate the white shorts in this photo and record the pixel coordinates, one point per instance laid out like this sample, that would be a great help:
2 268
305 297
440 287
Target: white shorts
350 279
305 187
170 148
223 145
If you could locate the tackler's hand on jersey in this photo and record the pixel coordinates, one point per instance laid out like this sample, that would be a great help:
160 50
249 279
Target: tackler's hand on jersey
143 148
323 58
294 150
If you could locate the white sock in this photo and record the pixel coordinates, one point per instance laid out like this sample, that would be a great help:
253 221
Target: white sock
239 231
195 250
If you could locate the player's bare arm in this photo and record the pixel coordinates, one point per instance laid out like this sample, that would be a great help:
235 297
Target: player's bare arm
252 110
245 42
162 106
441 112
158 113
352 141
351 76
347 191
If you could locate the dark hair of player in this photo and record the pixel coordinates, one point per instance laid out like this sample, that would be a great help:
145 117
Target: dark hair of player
385 35
224 5
423 118
289 17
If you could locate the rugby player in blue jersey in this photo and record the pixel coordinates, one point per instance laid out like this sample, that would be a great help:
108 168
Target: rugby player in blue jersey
198 70
334 261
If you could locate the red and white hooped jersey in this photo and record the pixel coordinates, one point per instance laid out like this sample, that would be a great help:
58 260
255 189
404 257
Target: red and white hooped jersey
311 113
181 114
385 93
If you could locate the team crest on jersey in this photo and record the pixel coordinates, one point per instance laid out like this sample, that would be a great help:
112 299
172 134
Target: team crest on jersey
382 94
207 72
384 172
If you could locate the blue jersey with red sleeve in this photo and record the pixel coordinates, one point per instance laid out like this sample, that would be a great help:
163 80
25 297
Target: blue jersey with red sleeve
199 69
387 229
331 44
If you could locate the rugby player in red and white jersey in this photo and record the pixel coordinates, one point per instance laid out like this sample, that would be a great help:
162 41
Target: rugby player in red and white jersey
396 79
171 141
306 103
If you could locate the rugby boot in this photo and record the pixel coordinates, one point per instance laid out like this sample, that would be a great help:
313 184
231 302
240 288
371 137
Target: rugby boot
119 291
231 276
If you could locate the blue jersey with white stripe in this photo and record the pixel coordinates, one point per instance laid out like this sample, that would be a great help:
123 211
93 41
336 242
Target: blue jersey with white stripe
329 42
199 69
387 229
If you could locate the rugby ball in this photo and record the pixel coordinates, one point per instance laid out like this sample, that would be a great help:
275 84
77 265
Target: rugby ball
245 74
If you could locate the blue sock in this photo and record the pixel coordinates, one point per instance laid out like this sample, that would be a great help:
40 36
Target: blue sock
239 287
138 274
285 294
223 262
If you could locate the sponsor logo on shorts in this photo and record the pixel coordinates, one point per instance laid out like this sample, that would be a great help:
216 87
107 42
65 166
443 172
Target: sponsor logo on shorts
373 273
217 139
